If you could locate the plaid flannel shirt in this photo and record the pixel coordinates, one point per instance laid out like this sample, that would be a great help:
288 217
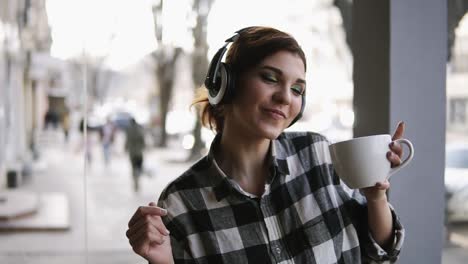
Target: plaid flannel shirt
306 215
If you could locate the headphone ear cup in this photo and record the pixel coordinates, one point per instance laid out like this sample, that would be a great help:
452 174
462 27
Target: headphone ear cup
217 90
301 112
230 83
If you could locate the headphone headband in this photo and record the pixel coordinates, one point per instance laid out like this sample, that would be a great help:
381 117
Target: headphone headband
210 80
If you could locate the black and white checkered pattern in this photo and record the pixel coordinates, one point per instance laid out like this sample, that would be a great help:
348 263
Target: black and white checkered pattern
306 215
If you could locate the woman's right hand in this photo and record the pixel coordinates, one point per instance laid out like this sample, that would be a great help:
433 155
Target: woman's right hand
148 236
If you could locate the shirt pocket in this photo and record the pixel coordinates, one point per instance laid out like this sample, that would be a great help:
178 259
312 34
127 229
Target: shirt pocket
316 232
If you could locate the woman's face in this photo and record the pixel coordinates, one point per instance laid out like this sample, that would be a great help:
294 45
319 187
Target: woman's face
269 96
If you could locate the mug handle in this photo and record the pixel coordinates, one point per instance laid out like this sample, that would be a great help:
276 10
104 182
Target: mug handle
407 160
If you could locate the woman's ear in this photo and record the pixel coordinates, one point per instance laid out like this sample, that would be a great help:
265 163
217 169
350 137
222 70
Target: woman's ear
221 109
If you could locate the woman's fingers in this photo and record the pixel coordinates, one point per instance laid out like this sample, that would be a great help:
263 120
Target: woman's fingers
393 158
161 227
141 223
400 130
147 222
144 238
146 228
383 185
396 148
146 210
137 234
142 241
376 192
155 221
146 234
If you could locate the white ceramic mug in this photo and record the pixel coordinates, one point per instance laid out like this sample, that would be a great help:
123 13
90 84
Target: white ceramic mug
362 162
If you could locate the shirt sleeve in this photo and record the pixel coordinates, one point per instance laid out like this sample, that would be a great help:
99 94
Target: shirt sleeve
180 249
356 206
377 253
180 252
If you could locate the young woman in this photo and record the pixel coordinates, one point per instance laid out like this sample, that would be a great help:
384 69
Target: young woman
262 195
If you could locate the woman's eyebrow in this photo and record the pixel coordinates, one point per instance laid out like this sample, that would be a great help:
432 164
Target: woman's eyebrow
280 72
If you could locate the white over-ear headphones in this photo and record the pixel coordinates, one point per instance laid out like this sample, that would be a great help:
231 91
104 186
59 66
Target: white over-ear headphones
220 80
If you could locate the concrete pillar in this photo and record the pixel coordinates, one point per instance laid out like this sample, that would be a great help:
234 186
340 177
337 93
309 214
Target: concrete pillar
3 130
400 50
16 151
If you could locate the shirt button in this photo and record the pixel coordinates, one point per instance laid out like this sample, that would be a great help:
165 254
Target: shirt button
278 250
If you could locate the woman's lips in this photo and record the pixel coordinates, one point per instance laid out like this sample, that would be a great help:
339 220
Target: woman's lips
276 114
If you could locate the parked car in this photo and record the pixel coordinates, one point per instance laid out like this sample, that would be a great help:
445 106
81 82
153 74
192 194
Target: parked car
456 182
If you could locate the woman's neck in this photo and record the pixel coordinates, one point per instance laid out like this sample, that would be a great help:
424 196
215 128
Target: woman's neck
244 159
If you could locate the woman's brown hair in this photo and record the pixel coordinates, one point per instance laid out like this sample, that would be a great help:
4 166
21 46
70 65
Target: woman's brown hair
252 47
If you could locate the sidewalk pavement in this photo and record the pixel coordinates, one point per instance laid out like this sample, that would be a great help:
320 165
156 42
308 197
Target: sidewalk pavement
101 204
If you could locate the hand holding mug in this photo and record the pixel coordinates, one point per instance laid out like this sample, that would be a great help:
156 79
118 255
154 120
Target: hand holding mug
394 155
367 162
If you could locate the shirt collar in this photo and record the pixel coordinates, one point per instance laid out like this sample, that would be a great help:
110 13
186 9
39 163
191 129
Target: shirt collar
279 164
223 187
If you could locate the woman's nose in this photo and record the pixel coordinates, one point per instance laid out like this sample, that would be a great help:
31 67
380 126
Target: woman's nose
282 95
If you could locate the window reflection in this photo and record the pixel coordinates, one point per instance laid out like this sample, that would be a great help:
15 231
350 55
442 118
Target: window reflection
456 158
73 74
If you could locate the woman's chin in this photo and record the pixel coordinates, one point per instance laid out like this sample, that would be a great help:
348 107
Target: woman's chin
269 131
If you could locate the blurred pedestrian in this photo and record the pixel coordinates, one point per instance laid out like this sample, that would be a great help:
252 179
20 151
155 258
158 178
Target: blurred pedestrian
107 133
86 141
135 145
66 126
51 119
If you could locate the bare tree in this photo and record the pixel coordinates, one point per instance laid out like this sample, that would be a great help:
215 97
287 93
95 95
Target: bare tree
165 59
98 77
200 63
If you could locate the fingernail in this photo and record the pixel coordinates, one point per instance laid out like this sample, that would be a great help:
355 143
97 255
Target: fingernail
163 211
167 232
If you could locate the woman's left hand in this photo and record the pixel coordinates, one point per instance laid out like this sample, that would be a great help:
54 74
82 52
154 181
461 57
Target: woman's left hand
394 155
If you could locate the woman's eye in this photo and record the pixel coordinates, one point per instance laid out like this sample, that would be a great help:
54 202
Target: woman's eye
269 77
298 89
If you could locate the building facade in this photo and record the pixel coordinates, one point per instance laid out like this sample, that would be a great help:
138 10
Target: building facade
24 32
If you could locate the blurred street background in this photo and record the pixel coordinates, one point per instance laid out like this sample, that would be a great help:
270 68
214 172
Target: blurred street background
73 73
110 202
